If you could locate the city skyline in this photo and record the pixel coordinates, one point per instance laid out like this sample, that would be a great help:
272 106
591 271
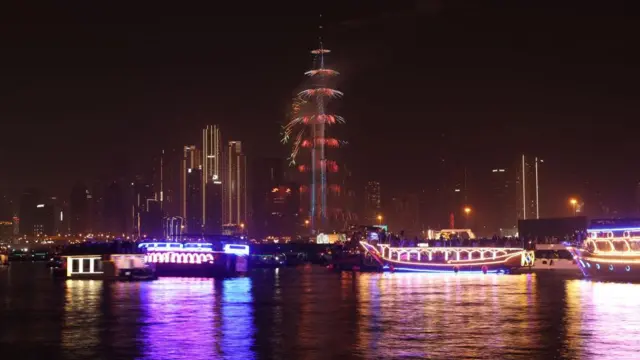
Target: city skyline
405 121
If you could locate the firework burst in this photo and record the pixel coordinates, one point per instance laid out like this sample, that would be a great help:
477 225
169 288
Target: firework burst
307 130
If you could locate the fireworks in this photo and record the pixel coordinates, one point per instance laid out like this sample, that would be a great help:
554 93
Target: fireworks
322 72
307 130
320 92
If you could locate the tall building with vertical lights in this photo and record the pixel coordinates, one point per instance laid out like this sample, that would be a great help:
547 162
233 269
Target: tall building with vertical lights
528 187
308 130
503 218
191 189
235 185
212 180
372 201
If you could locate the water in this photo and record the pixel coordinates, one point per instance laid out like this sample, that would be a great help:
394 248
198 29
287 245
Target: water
309 313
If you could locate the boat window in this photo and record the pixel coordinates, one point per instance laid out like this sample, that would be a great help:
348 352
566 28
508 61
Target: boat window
620 246
603 246
564 254
635 246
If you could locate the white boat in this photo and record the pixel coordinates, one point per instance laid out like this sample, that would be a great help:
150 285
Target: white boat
554 257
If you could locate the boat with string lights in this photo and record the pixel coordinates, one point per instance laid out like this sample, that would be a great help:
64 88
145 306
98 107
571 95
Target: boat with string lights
611 250
423 258
196 258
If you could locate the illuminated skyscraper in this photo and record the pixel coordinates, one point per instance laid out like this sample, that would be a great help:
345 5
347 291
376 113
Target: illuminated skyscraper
528 188
503 217
372 202
212 152
308 130
191 189
235 185
212 180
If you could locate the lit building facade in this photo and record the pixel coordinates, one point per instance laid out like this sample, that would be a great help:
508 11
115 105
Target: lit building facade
235 185
191 189
504 216
528 187
372 201
212 180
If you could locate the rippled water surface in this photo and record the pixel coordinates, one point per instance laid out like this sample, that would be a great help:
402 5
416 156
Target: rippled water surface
309 313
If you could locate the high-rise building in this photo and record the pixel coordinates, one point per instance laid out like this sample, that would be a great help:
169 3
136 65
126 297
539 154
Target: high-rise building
115 212
213 208
45 220
29 201
235 185
269 174
212 179
503 218
79 210
372 201
151 220
308 132
528 187
191 188
193 201
171 181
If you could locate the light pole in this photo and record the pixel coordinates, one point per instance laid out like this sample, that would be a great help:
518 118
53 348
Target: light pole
573 203
379 219
467 212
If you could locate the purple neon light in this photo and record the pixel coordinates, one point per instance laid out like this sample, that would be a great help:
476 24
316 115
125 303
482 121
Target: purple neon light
179 258
180 250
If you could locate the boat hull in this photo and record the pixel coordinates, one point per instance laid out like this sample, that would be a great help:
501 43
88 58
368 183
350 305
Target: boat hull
391 265
607 268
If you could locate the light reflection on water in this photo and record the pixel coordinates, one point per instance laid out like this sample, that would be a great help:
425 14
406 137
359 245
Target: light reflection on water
309 313
604 319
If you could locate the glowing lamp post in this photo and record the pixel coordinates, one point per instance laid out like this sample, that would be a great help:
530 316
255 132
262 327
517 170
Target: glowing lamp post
379 219
242 228
574 204
467 212
306 223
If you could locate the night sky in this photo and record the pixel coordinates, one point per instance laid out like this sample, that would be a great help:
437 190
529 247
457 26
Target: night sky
88 85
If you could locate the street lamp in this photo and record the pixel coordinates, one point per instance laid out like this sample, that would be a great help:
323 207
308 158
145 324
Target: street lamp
379 219
573 203
306 222
242 227
467 211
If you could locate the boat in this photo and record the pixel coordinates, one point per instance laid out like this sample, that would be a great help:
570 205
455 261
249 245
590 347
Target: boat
196 258
611 250
423 258
127 267
554 257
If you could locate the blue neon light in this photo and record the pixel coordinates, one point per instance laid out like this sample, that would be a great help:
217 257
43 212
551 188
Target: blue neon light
190 247
443 271
240 250
614 229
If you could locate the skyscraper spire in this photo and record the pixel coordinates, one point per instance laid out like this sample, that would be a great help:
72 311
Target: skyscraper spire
310 122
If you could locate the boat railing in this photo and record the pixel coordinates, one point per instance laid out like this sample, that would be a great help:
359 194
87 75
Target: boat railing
612 246
447 253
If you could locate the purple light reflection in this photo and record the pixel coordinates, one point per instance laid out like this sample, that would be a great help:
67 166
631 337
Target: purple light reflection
178 319
191 318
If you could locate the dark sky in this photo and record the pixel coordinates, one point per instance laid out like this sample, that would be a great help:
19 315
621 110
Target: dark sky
85 83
